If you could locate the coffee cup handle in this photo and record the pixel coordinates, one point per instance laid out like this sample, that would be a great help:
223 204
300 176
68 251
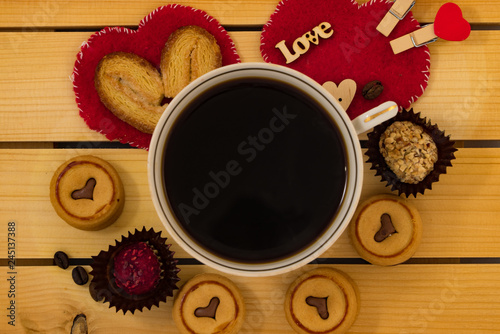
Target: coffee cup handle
375 116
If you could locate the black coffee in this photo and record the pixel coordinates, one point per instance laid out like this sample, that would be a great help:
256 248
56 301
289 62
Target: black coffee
254 171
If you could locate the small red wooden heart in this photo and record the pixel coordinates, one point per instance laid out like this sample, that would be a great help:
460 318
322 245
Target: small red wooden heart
450 24
147 42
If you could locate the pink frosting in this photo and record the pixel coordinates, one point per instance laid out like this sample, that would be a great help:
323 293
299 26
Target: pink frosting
136 269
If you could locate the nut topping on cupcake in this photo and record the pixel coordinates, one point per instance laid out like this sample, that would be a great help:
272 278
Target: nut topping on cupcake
409 152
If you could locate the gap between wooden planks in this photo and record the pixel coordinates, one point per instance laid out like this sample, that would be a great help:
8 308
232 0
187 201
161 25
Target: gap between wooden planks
401 299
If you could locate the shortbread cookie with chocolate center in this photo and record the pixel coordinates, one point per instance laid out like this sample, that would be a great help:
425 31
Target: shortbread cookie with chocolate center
87 193
324 300
386 230
209 303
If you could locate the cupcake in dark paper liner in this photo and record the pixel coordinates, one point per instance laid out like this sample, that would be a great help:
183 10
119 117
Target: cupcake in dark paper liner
139 271
409 153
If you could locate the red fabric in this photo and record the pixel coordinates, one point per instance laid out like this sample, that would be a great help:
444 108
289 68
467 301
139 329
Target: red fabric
147 41
356 50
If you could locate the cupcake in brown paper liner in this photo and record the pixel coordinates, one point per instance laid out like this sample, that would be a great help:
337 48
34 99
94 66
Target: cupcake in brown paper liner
409 153
139 271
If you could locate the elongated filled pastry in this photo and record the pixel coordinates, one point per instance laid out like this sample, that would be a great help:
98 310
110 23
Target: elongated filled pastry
131 88
190 52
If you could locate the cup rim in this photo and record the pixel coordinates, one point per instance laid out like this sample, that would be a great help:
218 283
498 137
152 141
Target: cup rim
337 224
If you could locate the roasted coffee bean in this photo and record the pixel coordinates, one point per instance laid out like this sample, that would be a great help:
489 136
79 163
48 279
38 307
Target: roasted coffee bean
61 260
372 90
80 275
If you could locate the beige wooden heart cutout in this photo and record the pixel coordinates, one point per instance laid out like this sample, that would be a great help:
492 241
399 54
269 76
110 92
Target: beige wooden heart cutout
344 92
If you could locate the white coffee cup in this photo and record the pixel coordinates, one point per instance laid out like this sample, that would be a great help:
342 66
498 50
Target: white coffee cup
349 131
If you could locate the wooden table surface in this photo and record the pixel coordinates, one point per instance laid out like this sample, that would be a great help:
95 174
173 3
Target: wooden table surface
451 285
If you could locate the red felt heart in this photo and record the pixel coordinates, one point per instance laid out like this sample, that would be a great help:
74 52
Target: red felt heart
147 41
450 24
356 50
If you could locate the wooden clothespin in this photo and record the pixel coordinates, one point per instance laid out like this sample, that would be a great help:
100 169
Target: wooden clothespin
415 39
397 12
449 25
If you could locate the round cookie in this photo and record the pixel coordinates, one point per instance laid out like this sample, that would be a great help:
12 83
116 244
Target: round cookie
87 193
209 303
386 230
323 300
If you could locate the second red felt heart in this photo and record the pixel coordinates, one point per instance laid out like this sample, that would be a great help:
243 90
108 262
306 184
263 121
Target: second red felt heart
355 50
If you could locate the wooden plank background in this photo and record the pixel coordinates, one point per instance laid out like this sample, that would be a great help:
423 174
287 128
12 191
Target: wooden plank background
39 41
405 299
460 214
32 15
37 101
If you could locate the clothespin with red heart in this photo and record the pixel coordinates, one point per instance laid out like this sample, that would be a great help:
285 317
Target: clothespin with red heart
449 25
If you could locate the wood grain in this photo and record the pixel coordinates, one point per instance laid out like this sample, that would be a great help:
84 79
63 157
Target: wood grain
37 102
39 41
35 15
403 299
460 214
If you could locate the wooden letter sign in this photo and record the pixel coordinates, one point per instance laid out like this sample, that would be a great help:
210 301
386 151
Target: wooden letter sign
301 44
